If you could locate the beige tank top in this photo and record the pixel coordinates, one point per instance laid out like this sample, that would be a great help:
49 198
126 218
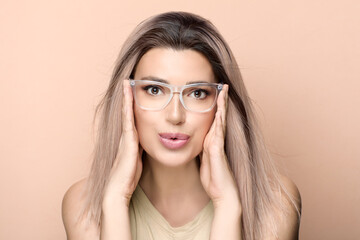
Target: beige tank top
147 223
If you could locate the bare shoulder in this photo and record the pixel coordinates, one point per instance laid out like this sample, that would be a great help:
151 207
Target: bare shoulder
288 229
72 204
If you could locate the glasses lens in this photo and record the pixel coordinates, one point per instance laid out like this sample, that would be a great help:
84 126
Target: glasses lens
199 98
151 96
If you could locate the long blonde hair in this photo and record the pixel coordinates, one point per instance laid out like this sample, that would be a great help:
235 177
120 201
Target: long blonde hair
256 175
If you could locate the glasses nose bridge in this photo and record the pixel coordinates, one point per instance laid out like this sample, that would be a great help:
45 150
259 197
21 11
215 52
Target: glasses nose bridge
178 90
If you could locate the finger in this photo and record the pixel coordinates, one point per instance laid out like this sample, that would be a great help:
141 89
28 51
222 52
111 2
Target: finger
222 105
225 106
219 143
123 106
212 127
219 126
131 105
204 166
128 123
210 135
139 169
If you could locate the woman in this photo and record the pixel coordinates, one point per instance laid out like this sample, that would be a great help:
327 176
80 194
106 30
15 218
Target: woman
179 154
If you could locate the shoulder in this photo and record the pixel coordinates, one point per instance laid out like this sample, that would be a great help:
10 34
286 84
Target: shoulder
289 227
72 204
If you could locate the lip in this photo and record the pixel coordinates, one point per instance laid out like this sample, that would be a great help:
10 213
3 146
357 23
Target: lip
173 140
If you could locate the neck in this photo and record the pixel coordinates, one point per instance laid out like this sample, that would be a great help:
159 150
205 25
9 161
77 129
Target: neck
166 185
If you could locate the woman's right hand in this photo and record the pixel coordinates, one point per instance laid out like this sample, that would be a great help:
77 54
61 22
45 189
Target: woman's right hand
127 167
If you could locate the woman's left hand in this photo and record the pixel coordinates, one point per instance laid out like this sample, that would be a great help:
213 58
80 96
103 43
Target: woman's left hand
215 173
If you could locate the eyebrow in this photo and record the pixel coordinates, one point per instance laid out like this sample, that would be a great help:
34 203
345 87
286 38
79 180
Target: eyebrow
165 81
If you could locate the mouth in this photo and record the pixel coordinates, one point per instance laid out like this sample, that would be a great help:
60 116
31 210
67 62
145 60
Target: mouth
173 140
179 136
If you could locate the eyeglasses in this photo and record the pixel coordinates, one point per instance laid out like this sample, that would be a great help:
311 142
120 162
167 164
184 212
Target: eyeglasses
155 96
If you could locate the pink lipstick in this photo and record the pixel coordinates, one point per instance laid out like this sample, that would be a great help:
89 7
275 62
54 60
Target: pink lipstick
173 140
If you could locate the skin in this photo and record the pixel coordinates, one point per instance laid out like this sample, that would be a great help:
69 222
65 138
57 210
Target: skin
171 179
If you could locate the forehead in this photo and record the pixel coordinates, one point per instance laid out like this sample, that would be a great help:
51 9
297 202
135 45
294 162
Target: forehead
177 67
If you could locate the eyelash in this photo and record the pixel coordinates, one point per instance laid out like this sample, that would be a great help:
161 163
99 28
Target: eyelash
201 91
146 88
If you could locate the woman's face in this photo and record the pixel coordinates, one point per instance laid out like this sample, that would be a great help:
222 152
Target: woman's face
177 67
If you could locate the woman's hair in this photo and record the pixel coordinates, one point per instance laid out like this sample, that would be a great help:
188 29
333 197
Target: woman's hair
257 178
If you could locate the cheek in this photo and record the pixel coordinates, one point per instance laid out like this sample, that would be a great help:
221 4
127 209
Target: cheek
144 124
141 120
203 124
137 117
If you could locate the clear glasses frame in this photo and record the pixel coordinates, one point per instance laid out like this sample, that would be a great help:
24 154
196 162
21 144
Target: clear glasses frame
176 89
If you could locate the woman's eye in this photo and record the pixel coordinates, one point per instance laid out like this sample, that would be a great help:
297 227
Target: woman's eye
199 94
153 90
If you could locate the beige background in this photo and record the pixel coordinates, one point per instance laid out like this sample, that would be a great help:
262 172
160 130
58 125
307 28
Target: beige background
299 59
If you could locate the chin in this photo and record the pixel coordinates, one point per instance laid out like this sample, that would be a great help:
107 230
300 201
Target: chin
171 158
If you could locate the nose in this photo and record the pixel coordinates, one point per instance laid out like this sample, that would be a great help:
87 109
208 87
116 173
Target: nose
175 112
